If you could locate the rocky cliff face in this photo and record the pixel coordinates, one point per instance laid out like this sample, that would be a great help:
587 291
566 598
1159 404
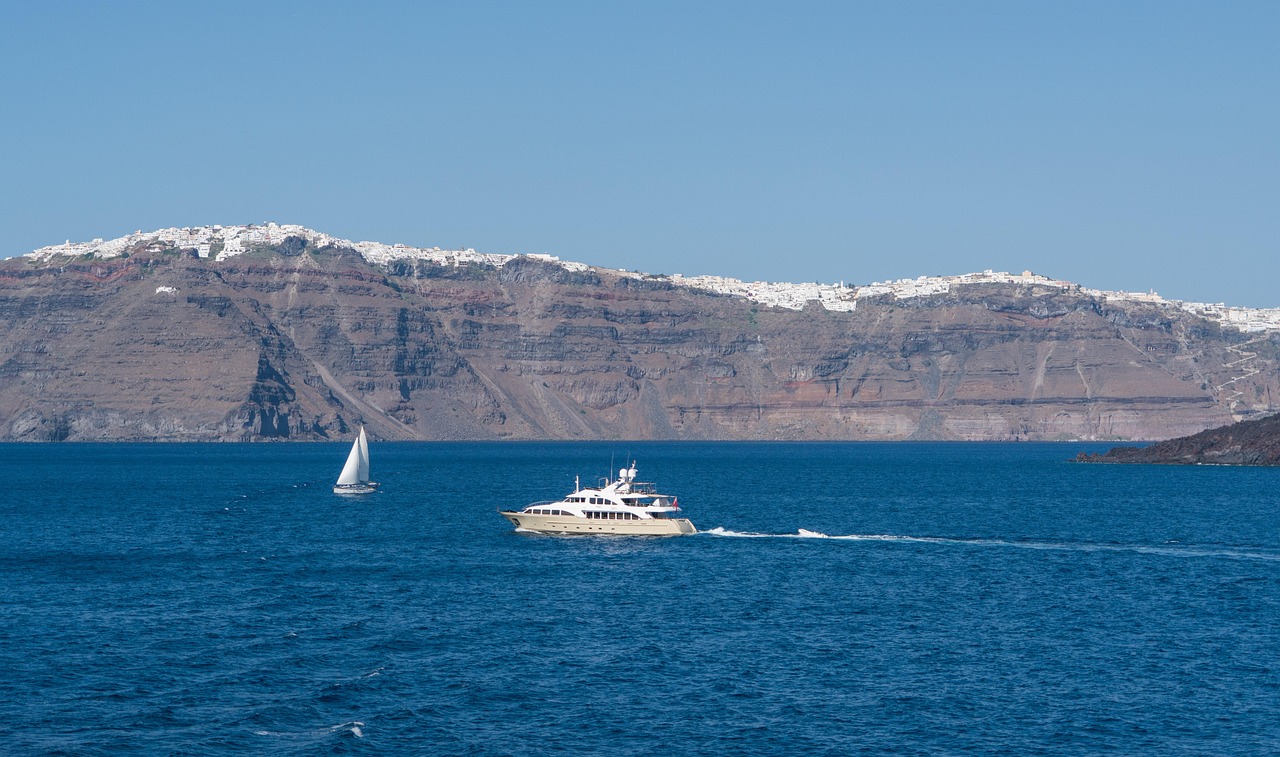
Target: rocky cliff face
297 342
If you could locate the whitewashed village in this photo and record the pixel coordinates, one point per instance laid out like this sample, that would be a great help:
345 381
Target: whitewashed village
223 242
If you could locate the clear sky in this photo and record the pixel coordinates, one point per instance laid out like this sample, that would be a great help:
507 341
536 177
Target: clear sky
1121 145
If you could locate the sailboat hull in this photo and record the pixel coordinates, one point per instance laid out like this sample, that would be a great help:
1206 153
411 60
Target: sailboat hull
366 488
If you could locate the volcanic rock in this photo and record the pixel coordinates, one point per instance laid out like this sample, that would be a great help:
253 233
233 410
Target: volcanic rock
1252 442
306 340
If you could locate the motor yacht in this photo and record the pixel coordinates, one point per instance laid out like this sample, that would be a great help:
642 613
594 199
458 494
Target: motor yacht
623 506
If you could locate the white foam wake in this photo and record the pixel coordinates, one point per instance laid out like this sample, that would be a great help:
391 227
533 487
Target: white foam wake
352 726
805 533
1168 550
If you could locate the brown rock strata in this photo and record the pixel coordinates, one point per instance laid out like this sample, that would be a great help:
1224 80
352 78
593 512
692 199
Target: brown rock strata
306 344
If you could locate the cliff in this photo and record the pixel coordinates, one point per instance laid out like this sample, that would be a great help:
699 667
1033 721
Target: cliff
304 338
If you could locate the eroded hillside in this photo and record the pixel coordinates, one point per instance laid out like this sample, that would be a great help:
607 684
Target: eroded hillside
291 341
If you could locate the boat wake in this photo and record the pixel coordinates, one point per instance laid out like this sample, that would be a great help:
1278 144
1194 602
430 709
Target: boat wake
352 727
1171 549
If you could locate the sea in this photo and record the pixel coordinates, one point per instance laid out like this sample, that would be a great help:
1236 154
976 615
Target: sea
839 599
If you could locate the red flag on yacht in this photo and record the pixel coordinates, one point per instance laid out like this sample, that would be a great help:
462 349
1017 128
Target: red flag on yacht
675 502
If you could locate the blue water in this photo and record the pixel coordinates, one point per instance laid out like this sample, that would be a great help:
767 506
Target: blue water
993 599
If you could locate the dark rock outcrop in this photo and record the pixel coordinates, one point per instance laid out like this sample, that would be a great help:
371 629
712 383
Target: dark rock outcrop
1253 442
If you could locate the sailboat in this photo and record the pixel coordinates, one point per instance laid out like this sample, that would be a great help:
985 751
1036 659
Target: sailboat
354 478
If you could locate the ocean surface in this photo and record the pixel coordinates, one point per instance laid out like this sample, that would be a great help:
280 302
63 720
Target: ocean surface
941 599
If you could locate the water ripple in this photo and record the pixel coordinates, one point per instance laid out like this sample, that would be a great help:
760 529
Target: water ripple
856 599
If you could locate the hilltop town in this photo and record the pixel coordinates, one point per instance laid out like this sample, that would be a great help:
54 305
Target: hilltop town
223 242
281 332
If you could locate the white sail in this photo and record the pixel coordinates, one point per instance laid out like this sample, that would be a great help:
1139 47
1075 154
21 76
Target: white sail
363 442
355 474
351 472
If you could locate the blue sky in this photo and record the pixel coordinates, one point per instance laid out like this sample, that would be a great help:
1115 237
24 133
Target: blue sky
1117 144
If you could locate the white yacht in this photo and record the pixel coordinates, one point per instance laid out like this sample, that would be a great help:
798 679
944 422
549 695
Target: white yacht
624 506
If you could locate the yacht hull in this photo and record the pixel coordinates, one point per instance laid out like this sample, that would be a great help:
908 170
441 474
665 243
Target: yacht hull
355 488
560 524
